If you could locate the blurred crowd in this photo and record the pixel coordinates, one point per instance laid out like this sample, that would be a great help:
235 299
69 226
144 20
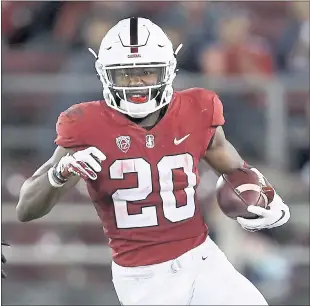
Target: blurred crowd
220 39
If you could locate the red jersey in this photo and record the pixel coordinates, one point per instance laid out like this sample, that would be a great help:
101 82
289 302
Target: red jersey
145 194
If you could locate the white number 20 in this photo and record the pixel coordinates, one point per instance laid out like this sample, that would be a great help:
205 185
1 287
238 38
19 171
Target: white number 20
148 216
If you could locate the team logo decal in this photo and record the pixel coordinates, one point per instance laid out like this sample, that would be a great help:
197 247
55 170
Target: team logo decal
133 55
123 143
149 141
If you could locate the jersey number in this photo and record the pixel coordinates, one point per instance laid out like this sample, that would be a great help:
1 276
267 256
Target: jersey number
148 216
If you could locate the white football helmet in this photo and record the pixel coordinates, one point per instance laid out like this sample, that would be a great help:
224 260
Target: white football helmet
135 47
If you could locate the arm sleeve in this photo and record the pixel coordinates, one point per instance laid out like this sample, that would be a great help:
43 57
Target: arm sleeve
69 128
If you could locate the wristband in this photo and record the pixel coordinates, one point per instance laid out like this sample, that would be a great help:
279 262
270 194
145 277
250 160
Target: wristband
55 179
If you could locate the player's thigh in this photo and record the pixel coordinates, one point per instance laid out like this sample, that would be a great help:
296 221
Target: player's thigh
219 283
170 289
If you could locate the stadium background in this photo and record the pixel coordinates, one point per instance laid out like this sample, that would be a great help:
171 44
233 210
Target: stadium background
254 54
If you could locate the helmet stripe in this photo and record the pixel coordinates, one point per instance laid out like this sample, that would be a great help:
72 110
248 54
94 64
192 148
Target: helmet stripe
134 34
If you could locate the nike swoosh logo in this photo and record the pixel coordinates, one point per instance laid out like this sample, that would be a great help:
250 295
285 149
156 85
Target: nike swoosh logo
283 214
178 141
204 258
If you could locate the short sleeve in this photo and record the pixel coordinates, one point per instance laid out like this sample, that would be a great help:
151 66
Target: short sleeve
69 128
212 110
218 115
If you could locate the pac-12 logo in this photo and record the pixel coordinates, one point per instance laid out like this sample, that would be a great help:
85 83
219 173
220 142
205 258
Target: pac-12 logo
123 143
149 141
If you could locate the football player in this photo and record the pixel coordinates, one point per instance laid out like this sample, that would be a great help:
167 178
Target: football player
138 151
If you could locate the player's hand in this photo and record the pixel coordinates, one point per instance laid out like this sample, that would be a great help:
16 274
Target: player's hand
276 214
3 259
85 163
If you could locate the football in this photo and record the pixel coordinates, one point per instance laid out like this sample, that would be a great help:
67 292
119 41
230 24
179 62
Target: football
237 190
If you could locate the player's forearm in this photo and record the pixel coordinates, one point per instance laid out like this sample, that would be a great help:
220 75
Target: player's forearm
38 197
221 155
224 158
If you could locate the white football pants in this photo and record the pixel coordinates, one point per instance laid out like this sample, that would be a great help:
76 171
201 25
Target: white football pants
202 276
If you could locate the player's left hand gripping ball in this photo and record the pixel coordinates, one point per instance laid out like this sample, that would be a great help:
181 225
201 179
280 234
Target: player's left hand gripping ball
276 214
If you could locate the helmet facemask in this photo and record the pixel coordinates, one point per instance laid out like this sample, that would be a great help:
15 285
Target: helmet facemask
137 84
139 89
